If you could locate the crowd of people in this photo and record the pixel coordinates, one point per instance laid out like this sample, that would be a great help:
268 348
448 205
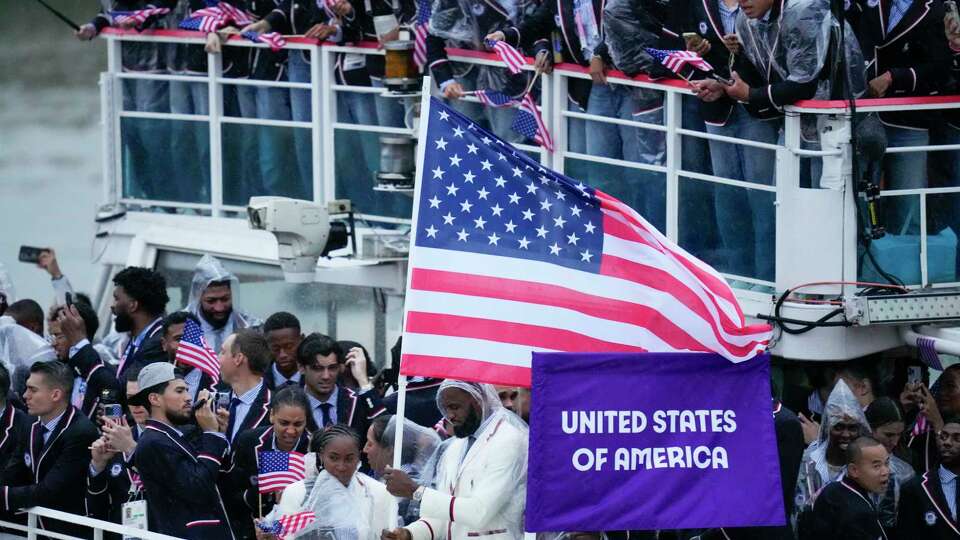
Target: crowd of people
869 454
764 55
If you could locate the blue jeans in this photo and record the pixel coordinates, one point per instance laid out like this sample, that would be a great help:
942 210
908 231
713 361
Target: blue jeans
629 144
498 121
698 226
241 177
904 171
576 130
746 218
277 150
190 146
146 165
298 70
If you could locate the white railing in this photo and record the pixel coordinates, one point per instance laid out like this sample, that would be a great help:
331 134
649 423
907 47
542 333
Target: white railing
816 229
33 529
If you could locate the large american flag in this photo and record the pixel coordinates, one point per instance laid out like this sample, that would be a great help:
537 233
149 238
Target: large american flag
509 257
288 525
138 17
420 32
278 470
675 61
193 351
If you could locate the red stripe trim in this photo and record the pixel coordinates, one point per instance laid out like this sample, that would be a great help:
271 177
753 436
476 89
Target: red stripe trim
210 457
507 332
201 522
429 527
468 370
486 533
562 297
452 500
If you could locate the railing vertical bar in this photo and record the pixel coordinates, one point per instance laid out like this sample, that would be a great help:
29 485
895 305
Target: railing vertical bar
32 526
328 116
548 113
673 118
560 124
215 91
787 182
114 67
318 132
924 276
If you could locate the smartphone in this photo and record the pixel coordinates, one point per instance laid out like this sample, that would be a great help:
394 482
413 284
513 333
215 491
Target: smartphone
113 411
692 39
914 375
223 400
30 254
68 298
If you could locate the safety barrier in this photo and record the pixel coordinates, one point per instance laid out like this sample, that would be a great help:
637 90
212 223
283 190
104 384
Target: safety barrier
762 234
38 515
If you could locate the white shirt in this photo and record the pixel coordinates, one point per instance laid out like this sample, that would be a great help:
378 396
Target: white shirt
279 380
948 481
51 425
318 411
246 401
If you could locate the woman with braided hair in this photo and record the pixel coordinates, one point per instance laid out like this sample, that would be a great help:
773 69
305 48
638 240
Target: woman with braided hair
346 502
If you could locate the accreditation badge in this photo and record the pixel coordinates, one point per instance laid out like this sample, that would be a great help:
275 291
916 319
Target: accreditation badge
116 470
134 515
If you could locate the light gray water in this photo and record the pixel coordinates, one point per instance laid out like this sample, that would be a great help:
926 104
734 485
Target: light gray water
50 172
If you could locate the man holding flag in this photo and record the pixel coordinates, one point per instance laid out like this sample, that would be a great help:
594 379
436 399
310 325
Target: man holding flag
199 362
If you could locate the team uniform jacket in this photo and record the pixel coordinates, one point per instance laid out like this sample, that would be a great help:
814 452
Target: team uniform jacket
149 351
844 511
476 500
49 474
179 482
353 409
490 17
915 53
259 413
923 510
239 483
705 20
111 488
534 34
298 16
769 93
143 57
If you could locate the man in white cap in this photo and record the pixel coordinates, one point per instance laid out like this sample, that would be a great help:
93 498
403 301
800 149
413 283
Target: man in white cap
179 470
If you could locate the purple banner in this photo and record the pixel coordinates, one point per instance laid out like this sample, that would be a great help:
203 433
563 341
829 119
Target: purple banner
651 441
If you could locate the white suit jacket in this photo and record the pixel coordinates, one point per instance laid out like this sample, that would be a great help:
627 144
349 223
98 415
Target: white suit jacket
480 495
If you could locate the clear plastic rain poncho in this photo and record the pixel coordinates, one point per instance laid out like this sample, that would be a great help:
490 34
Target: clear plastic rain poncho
6 286
629 26
358 511
210 270
19 349
419 446
815 472
459 23
795 46
494 415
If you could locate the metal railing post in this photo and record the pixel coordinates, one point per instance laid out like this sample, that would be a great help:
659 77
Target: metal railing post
787 180
548 111
560 123
115 145
215 96
327 118
317 132
32 526
674 120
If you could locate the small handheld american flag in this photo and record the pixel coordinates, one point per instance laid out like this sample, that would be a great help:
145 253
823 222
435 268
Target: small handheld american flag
508 55
278 470
529 123
137 17
420 32
675 61
288 525
201 24
273 39
193 351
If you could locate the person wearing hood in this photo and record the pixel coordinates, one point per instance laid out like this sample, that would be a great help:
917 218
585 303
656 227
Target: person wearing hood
824 460
485 466
419 444
19 349
213 302
887 424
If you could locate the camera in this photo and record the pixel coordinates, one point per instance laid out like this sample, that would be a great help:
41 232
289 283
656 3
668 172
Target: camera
303 230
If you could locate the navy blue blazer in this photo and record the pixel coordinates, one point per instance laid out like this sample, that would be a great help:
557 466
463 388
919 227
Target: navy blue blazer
48 474
179 475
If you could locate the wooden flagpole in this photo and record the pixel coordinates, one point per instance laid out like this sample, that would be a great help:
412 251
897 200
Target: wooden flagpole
418 183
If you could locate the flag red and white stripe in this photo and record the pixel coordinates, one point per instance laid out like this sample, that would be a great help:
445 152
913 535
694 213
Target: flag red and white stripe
194 351
542 136
277 470
508 55
137 17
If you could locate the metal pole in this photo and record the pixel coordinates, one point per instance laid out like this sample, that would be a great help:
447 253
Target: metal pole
215 96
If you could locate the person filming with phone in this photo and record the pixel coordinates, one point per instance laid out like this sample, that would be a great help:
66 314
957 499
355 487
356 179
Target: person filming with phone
177 465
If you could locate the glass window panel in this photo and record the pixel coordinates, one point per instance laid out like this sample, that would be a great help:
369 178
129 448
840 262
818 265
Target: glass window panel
644 191
357 161
943 224
179 172
896 256
264 160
